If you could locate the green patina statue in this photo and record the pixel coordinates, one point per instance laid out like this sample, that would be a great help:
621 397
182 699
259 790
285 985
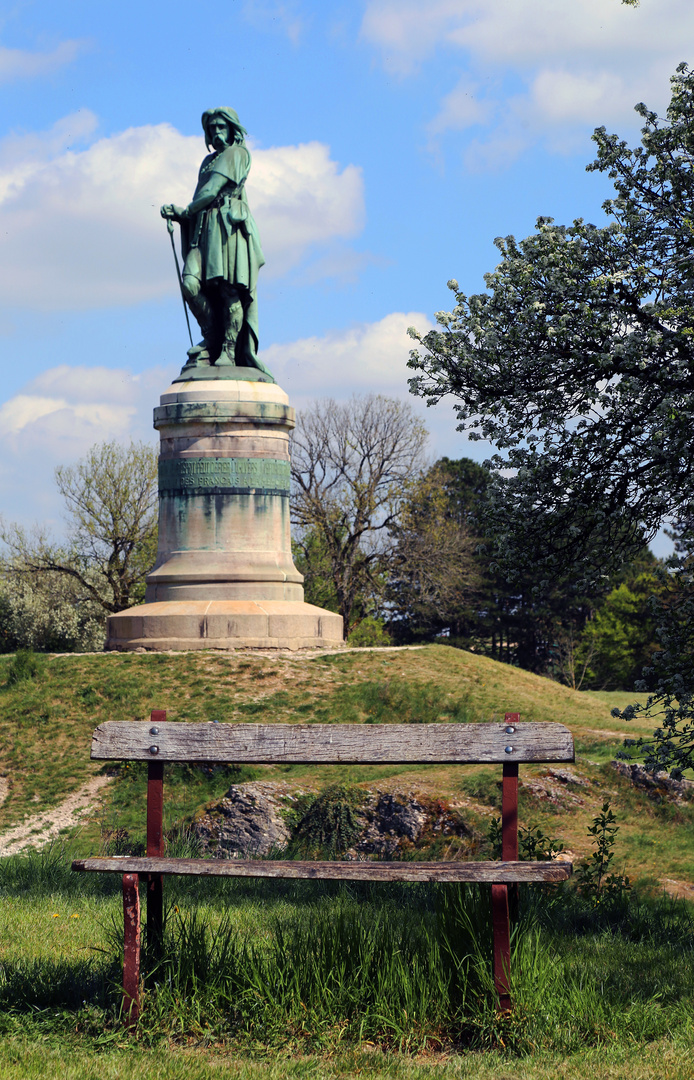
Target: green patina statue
221 251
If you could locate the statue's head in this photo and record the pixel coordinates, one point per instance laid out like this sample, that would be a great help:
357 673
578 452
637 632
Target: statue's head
230 117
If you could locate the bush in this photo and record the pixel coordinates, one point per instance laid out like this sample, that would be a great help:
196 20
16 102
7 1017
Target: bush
369 632
25 665
328 825
44 613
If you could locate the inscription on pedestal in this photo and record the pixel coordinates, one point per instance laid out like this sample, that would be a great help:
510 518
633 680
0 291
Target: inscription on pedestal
233 476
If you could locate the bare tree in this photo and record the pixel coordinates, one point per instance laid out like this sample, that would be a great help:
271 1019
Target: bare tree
352 464
574 655
111 510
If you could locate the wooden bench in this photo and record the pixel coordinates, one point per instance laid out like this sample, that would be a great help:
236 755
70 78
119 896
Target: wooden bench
158 741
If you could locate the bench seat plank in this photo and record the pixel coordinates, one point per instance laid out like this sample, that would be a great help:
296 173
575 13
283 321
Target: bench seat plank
482 872
332 744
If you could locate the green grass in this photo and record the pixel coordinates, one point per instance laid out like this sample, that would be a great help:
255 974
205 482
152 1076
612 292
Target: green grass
23 1059
318 980
46 721
315 973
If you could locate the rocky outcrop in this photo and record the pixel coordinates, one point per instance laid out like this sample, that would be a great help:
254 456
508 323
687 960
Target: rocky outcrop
257 819
557 787
249 821
658 786
393 823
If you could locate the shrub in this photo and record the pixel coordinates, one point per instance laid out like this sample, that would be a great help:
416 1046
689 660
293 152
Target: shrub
369 632
25 665
45 614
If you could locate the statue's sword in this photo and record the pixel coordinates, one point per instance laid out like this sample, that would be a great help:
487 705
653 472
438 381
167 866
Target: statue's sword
169 226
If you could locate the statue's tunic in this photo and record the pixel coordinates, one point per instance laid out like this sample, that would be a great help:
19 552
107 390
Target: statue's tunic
227 237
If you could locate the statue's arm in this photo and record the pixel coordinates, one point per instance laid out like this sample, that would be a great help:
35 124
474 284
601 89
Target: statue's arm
203 198
207 194
230 167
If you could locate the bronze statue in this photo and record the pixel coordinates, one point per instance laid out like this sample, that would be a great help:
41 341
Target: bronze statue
221 250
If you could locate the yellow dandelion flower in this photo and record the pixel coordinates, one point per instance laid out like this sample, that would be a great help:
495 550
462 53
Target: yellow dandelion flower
56 915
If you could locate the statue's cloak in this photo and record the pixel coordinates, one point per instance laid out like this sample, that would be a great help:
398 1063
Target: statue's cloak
227 237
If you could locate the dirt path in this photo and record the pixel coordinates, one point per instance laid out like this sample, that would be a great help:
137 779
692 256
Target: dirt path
46 826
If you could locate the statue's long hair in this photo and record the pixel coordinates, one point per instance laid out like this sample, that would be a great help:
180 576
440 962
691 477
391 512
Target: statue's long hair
232 119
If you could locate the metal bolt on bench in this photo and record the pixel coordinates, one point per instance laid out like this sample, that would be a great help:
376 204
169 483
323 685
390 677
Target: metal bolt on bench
158 741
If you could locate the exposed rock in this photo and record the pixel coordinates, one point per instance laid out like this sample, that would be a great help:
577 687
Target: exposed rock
658 786
555 787
565 856
247 821
251 820
681 890
394 822
39 829
566 776
551 790
400 816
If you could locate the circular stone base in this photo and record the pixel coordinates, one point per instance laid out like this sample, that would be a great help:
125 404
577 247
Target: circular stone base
224 624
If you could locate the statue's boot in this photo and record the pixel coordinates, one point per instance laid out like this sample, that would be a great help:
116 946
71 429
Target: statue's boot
233 321
202 353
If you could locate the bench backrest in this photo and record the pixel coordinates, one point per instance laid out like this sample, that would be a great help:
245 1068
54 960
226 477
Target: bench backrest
368 744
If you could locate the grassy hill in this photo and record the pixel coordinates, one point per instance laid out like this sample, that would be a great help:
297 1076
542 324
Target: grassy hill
272 978
46 722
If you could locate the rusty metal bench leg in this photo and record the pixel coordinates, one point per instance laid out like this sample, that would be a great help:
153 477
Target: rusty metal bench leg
501 923
131 949
155 845
502 946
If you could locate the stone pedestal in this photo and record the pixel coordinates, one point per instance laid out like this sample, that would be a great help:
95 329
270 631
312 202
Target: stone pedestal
224 576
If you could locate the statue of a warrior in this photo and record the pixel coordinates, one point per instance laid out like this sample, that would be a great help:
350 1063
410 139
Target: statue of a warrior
221 249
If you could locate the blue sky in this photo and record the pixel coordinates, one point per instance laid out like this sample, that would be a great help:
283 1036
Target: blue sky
392 141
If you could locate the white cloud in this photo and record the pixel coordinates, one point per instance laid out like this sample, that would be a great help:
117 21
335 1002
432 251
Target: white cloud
579 96
405 32
300 199
56 418
23 64
462 108
362 359
525 32
81 228
67 409
366 357
583 62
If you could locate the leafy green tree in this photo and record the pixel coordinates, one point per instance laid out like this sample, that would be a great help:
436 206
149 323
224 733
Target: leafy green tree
670 677
577 364
312 559
111 510
620 639
444 578
48 613
577 361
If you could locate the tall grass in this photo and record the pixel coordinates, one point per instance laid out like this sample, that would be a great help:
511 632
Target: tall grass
317 965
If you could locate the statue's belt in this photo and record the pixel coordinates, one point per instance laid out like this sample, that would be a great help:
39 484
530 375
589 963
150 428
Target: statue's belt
225 198
236 215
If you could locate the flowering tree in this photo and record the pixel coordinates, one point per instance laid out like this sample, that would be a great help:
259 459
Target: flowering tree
577 363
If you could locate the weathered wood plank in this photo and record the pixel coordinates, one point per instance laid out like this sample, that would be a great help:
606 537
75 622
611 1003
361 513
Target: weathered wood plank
481 872
332 743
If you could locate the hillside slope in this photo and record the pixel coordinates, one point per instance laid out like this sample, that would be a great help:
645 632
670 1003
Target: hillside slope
46 723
